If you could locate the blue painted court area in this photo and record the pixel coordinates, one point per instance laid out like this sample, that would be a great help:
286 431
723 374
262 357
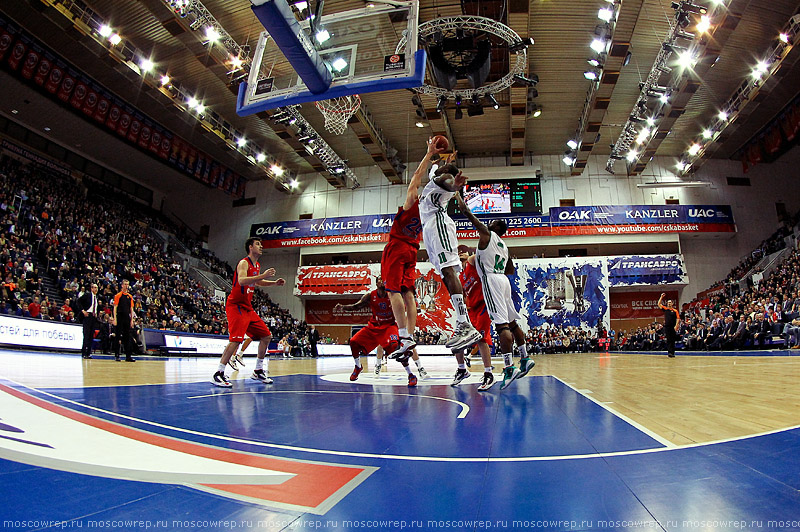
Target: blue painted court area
539 455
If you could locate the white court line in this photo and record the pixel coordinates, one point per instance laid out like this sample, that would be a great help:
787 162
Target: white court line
625 418
404 457
462 415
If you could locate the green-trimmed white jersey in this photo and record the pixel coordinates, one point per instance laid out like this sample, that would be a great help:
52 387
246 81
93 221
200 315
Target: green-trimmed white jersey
494 258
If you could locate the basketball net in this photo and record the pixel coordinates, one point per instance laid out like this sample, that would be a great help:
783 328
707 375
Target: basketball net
337 111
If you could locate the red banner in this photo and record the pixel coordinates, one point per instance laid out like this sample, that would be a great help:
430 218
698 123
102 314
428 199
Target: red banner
90 104
66 88
144 137
333 280
630 305
5 43
79 95
124 124
134 130
31 60
321 312
17 54
43 70
103 105
166 145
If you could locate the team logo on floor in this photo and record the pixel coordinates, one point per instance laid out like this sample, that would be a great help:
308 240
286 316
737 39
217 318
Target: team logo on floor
43 434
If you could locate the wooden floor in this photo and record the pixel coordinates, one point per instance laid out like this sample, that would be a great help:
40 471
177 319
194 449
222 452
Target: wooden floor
685 400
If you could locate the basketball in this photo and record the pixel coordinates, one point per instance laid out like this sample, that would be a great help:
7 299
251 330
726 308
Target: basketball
441 142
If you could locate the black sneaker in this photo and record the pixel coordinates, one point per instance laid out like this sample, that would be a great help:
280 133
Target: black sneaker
220 380
460 375
488 382
260 375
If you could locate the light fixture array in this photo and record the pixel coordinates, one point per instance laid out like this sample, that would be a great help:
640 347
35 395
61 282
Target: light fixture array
743 95
141 63
316 145
517 47
604 35
654 99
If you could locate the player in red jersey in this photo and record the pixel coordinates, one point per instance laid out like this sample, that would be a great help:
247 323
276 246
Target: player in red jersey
381 329
478 316
399 262
242 319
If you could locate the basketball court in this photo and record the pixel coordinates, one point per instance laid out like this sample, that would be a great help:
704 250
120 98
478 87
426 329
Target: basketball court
586 442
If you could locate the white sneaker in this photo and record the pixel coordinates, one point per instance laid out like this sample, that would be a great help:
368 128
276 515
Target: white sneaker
464 336
406 344
220 380
260 375
378 369
460 375
232 363
423 374
239 359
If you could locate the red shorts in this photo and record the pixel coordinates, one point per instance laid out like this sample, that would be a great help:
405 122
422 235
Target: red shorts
242 320
479 317
399 265
373 336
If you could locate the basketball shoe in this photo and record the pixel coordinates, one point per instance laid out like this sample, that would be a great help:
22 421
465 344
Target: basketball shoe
406 344
356 372
464 336
509 375
260 375
460 375
412 379
488 382
220 380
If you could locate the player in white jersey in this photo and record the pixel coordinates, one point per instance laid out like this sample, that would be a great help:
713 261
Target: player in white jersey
494 266
439 235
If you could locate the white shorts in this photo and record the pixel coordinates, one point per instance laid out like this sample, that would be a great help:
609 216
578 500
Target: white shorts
439 236
497 293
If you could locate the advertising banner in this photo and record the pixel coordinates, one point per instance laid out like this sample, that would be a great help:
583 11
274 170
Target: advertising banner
570 291
596 220
334 280
647 269
321 311
639 219
203 344
40 333
632 305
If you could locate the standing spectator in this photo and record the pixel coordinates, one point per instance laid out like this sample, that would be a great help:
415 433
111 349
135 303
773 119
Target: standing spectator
313 338
87 305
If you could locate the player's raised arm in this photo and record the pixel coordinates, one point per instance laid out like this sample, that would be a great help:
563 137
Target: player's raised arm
361 303
483 231
422 170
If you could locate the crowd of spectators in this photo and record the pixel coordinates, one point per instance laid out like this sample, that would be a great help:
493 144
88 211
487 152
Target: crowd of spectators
57 226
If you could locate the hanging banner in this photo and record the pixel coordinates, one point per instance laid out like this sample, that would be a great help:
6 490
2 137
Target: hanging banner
333 280
647 270
634 305
597 220
639 219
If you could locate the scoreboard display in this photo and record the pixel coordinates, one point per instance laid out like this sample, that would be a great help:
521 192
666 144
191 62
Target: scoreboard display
522 196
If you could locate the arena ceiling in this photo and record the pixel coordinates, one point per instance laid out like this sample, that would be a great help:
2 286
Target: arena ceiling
561 29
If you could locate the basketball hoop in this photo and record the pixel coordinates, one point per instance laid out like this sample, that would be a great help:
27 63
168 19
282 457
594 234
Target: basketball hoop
337 111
